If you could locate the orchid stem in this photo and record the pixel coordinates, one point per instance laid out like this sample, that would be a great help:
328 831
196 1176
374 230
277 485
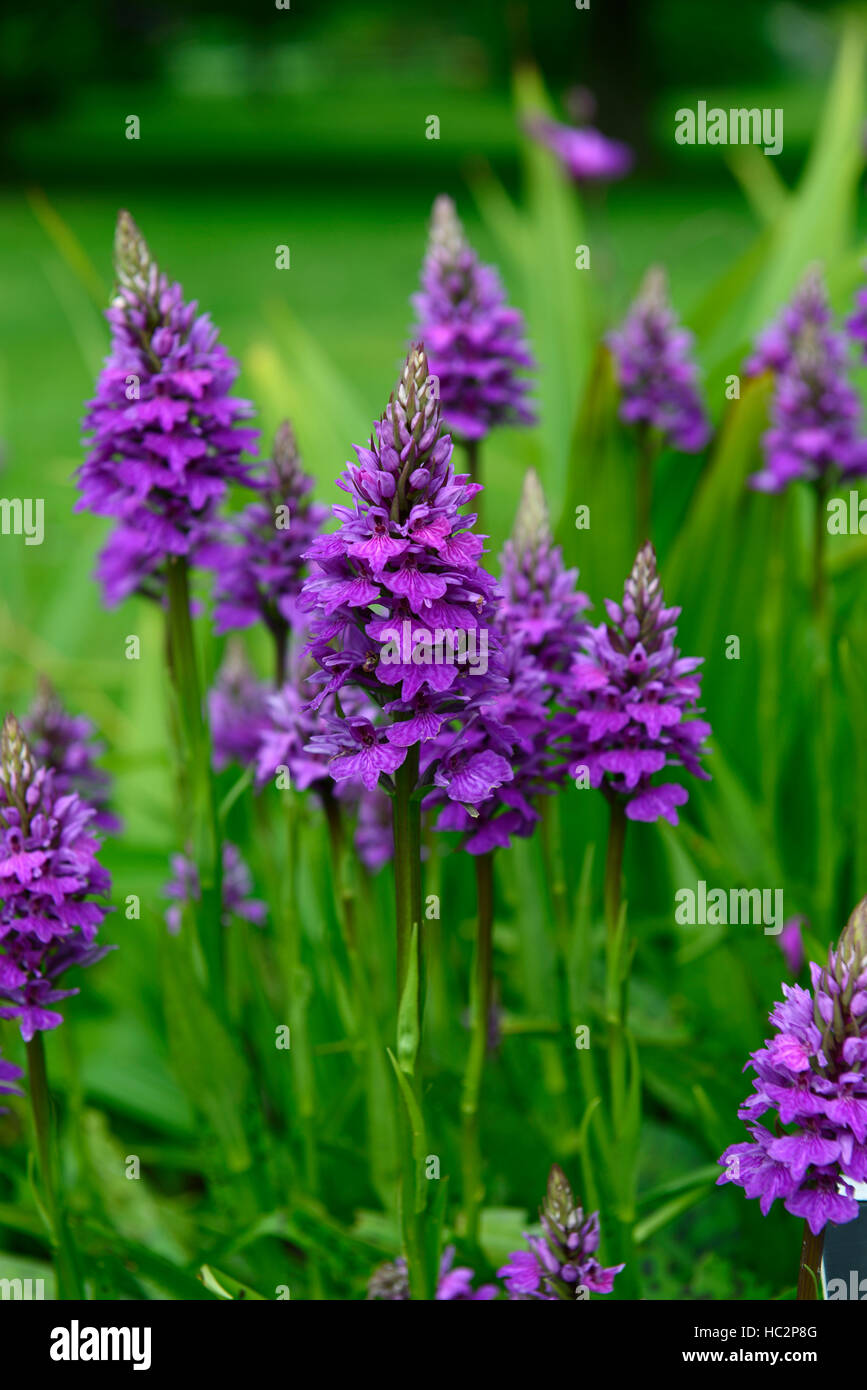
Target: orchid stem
482 993
196 781
69 1283
810 1270
407 883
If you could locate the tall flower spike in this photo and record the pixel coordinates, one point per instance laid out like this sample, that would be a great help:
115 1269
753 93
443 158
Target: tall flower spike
540 620
237 706
50 886
811 1075
658 380
635 697
476 343
776 345
816 412
257 553
67 743
561 1263
164 436
541 604
403 567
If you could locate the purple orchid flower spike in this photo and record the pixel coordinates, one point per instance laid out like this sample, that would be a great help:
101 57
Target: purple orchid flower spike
658 380
519 748
636 701
51 886
475 342
257 554
561 1263
165 436
815 433
68 745
810 1076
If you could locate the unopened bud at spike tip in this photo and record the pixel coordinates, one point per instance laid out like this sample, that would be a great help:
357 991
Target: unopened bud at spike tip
532 526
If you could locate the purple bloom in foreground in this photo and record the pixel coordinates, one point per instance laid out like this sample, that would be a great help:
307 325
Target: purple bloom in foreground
257 555
475 342
390 1282
400 606
635 698
561 1263
811 1075
586 154
184 888
9 1074
658 381
540 621
67 744
164 437
237 706
816 412
50 881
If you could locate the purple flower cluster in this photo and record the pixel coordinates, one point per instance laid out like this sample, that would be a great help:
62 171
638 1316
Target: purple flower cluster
658 381
184 888
586 154
165 439
67 744
561 1263
397 595
807 311
50 883
816 412
390 1282
257 554
541 608
519 734
238 708
475 342
635 698
812 1075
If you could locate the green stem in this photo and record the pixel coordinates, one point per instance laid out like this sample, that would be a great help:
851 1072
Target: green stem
644 486
297 991
809 1272
823 743
407 884
616 1000
196 782
69 1283
482 993
381 1128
